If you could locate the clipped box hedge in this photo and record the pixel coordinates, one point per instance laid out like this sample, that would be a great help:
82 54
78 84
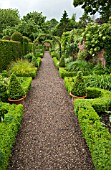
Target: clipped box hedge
97 137
9 51
8 131
56 62
64 73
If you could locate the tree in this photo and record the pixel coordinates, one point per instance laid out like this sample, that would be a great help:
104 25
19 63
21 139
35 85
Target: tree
8 17
37 18
51 24
84 20
32 24
63 26
93 6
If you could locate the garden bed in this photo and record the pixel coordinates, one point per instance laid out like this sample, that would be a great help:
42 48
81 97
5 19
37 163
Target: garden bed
105 119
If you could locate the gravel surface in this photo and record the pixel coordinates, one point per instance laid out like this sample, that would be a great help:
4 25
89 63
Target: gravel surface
50 137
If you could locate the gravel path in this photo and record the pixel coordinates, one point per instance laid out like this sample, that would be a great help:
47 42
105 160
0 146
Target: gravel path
50 137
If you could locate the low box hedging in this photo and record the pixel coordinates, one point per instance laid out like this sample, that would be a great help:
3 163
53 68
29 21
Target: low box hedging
38 60
8 131
68 82
56 62
63 73
97 137
31 73
93 92
9 50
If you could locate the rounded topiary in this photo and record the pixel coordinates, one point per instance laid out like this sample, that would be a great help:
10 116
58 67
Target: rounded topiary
15 89
17 36
62 62
79 88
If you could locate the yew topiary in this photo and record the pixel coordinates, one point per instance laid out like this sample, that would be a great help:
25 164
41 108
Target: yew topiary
79 88
17 36
15 89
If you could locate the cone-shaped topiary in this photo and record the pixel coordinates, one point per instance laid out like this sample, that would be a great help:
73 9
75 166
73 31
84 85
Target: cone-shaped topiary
15 89
79 88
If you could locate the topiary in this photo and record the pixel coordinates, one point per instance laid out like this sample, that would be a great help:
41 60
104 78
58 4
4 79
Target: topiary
79 88
15 89
17 36
62 62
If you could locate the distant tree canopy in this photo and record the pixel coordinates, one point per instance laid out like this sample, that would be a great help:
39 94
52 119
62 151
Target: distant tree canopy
93 6
64 25
32 24
8 17
84 20
51 24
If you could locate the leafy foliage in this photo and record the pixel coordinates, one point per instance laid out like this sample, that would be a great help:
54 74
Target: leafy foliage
8 17
79 88
8 131
9 51
79 65
93 6
63 26
15 90
3 89
17 36
23 68
62 62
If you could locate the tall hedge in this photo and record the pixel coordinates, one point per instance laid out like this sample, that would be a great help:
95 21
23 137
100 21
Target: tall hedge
9 51
30 47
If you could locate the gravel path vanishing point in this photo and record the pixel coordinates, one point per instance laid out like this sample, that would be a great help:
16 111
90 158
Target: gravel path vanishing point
50 137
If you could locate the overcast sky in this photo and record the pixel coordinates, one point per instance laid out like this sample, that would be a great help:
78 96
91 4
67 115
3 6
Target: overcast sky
49 8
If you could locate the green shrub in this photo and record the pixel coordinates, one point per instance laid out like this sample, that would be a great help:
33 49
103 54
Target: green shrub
68 82
79 88
99 69
4 73
3 89
22 68
93 93
8 131
34 61
25 83
15 90
30 47
9 51
17 36
56 62
38 54
82 55
97 137
38 61
100 81
62 62
25 45
29 56
80 65
3 111
64 73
